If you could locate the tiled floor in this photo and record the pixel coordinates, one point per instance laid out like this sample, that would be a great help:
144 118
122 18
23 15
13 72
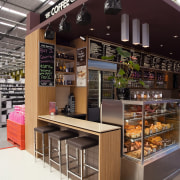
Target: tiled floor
18 164
3 138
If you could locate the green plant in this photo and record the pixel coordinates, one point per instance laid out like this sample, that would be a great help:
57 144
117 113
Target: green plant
124 74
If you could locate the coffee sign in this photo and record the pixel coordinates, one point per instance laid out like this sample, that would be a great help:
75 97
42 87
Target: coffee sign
57 7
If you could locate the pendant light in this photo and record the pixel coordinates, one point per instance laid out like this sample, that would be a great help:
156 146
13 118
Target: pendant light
125 27
83 17
49 33
136 31
145 35
64 26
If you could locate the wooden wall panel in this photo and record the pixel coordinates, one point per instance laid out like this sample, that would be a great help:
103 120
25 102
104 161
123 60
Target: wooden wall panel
36 98
109 155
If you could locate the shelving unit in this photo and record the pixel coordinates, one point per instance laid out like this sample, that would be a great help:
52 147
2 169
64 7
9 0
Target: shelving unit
65 66
13 92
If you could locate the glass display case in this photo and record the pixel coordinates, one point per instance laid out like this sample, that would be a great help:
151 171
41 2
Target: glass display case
149 127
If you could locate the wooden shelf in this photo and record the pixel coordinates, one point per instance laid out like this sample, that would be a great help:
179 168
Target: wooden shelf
68 60
65 73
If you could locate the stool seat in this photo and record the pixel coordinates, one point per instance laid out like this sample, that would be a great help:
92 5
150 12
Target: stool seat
45 129
84 142
62 135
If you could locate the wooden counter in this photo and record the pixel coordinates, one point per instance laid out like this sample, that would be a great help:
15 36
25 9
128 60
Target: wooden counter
109 142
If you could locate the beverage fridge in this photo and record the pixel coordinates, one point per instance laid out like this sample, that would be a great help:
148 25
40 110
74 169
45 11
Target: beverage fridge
99 87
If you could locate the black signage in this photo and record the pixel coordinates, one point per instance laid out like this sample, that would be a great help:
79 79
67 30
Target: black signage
96 49
57 7
46 64
81 57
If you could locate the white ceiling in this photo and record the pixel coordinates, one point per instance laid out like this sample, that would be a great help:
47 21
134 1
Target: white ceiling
12 37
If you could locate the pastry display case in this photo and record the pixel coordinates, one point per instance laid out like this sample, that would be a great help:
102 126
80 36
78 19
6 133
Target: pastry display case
149 127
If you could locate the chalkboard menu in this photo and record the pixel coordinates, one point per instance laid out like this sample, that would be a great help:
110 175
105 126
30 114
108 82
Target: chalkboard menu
46 64
102 51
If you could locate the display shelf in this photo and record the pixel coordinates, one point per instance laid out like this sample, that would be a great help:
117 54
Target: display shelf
150 135
65 67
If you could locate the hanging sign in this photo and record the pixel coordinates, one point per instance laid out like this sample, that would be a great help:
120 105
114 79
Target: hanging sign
46 64
57 7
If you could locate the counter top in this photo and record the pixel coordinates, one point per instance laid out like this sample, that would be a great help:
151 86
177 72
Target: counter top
84 124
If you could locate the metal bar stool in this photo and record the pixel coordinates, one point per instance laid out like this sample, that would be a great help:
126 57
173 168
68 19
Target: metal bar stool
82 144
42 130
58 136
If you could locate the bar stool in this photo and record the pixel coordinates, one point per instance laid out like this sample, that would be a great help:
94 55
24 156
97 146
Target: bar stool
42 130
82 144
59 136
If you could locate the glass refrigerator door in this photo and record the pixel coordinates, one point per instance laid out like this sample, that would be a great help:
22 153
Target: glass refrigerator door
94 89
107 86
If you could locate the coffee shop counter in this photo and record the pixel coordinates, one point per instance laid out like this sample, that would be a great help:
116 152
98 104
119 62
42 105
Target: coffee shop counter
109 141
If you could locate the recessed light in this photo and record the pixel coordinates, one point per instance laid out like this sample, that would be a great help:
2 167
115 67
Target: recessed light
108 27
91 29
175 36
161 45
108 34
170 53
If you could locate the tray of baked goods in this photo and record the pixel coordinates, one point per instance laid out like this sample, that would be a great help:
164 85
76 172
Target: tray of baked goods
151 145
133 132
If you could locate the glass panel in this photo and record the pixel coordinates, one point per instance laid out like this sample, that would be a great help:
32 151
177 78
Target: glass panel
107 86
93 90
132 130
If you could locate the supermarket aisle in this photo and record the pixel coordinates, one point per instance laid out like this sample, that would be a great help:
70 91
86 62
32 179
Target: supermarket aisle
3 138
18 164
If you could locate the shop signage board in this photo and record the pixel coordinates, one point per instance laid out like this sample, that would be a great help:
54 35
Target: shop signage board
57 7
46 64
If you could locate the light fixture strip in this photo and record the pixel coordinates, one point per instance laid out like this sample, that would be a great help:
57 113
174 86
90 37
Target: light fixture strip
125 27
10 25
12 11
136 31
145 35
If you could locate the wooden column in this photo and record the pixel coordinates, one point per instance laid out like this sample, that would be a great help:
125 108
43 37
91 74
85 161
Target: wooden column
36 98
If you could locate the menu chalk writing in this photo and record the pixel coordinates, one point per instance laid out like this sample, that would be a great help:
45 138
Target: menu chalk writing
46 64
96 49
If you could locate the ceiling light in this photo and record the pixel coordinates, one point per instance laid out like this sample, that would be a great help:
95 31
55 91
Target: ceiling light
170 53
175 36
108 34
125 27
50 3
145 35
6 24
136 31
83 17
24 29
12 11
91 29
161 45
82 38
108 27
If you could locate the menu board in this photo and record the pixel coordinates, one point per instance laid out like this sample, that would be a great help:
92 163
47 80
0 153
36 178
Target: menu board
46 64
81 57
96 49
104 51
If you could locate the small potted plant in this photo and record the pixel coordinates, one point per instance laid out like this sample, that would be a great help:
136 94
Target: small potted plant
124 75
